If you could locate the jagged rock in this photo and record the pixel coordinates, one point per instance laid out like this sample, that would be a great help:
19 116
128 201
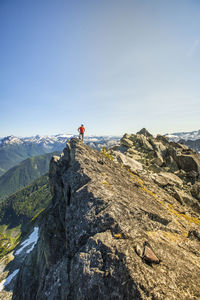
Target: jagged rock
188 199
126 142
181 174
195 190
185 198
171 164
5 295
144 132
99 212
129 162
194 234
53 175
158 146
189 162
163 139
177 195
141 142
158 160
192 176
166 178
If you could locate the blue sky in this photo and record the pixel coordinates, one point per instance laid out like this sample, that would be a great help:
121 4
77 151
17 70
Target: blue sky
114 65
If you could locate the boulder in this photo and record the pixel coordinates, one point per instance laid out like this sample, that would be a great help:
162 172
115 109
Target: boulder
158 160
195 190
143 143
192 176
126 142
160 148
166 178
181 174
176 193
188 162
187 199
171 164
184 198
129 162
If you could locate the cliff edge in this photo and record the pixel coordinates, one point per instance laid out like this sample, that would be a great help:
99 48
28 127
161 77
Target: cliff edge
112 232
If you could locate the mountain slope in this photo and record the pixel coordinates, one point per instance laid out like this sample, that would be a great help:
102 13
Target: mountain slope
12 154
2 171
114 233
18 209
24 173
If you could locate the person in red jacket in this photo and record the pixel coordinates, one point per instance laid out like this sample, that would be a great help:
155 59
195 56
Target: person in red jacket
81 131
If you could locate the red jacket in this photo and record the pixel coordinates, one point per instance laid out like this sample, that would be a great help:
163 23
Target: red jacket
82 129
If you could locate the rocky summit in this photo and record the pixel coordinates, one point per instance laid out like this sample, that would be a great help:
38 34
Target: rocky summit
123 224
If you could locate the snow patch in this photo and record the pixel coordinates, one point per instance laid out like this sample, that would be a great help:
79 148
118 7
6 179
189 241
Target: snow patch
31 240
11 276
2 285
8 280
29 243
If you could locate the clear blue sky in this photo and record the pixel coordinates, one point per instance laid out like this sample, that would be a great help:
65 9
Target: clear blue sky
114 65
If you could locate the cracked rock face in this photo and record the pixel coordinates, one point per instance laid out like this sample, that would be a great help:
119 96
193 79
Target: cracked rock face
110 234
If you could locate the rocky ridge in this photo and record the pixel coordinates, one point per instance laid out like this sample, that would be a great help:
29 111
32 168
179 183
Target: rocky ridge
123 224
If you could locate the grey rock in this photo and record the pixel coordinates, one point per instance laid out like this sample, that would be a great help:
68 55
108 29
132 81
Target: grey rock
126 142
195 190
163 139
144 132
87 248
129 162
167 178
189 162
158 160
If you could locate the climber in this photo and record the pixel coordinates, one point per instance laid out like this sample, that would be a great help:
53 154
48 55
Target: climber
81 131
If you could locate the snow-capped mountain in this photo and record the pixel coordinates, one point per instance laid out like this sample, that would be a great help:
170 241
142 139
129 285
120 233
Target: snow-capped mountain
14 149
10 140
192 135
49 142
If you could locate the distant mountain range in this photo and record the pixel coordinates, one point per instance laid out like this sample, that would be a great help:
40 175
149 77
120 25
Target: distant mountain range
177 136
13 150
190 139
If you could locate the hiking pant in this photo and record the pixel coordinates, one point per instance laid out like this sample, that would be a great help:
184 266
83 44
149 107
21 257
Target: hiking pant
81 136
